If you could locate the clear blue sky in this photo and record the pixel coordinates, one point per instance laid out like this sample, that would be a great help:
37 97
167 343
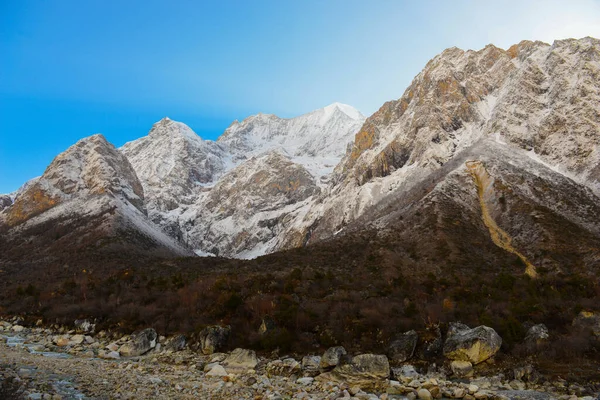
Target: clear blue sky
69 69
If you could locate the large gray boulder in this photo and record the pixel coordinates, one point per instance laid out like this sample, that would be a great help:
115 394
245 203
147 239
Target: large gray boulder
365 370
140 343
213 338
474 345
331 358
403 347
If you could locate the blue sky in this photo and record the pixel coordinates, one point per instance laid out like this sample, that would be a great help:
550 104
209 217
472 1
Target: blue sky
69 69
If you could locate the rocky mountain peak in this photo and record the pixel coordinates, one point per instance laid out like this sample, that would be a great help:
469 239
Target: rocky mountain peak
461 96
92 166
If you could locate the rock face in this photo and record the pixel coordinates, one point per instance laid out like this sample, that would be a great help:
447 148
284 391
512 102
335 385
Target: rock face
403 348
141 343
363 370
473 345
249 206
5 201
213 338
173 164
88 193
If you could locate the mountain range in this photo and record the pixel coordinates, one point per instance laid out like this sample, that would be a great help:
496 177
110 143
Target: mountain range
488 155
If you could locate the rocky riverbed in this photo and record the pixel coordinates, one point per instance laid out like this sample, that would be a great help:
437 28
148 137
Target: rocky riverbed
41 363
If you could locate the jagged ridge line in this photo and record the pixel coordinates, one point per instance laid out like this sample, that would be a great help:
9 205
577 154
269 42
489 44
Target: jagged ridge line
500 237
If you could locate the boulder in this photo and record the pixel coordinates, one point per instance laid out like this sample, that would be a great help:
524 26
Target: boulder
365 370
424 394
403 347
537 336
76 339
462 369
474 345
17 328
240 360
60 341
286 367
141 343
331 358
310 365
176 343
213 338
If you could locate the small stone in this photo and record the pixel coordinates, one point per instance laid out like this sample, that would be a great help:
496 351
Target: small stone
17 328
305 381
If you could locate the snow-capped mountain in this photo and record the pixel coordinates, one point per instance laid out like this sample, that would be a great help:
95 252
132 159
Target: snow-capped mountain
87 194
495 147
536 101
316 140
181 174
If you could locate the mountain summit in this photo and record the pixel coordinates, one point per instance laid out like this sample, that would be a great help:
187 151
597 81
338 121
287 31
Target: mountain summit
181 173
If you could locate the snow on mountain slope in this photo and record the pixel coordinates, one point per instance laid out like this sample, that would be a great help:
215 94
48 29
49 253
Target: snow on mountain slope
534 97
248 207
316 140
172 162
180 172
90 190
